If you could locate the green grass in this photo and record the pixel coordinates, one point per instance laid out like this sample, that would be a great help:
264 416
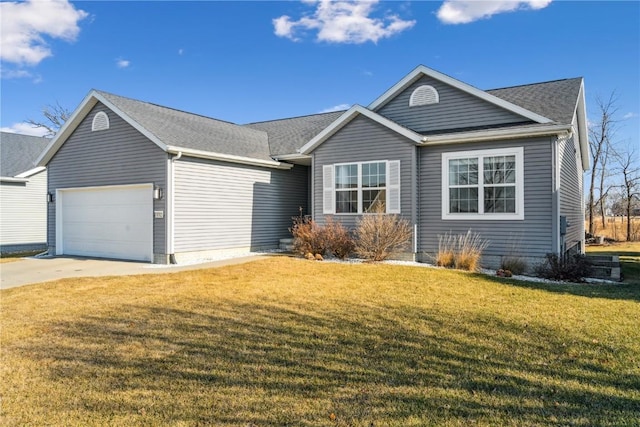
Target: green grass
289 342
629 253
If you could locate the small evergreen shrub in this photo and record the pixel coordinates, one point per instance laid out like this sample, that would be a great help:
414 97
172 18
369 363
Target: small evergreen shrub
514 264
379 235
570 268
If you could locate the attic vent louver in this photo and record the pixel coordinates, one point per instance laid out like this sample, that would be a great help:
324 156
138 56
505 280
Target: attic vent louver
424 95
100 121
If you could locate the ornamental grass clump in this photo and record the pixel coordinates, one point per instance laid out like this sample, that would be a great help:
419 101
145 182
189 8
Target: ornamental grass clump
462 251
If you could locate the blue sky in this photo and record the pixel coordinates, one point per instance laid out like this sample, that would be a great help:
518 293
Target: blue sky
254 61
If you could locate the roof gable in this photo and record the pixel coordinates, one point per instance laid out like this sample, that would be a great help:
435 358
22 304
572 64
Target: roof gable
348 116
454 109
421 71
174 131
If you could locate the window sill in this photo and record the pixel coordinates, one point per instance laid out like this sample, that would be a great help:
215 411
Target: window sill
483 217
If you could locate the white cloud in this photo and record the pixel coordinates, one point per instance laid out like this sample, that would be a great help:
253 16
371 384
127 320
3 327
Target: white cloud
343 21
466 11
24 27
122 63
338 107
25 129
630 115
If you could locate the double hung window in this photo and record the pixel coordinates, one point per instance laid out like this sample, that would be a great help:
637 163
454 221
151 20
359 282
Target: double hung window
486 184
355 188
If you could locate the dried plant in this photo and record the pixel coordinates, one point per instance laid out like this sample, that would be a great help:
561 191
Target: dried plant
379 235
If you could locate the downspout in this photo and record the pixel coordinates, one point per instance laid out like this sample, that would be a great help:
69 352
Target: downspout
170 205
555 201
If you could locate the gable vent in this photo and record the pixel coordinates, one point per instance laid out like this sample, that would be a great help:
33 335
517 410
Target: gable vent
424 95
100 121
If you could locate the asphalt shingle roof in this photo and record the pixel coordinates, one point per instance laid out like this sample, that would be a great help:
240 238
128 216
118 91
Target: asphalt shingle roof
19 152
286 136
188 130
555 100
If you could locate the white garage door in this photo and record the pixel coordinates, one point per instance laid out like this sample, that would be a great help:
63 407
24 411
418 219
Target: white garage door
108 222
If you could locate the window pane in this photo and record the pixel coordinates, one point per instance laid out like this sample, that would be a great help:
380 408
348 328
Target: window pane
500 199
373 175
500 170
347 176
347 201
373 199
463 172
463 200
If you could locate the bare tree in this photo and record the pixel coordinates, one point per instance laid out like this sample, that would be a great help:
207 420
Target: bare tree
630 172
54 116
600 135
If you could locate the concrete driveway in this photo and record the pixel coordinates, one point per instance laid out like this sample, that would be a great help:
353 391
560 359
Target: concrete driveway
36 270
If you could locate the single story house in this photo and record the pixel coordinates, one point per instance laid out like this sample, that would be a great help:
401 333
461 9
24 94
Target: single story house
23 194
134 180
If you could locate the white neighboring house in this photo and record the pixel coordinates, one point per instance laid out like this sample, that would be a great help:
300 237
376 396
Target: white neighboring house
23 194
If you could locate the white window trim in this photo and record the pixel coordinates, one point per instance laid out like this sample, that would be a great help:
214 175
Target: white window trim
330 190
518 152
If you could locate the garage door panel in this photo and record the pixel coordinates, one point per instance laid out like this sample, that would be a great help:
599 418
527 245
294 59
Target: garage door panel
111 222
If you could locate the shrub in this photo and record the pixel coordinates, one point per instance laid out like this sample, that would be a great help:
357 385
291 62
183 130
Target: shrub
308 237
460 251
379 235
339 241
570 268
514 264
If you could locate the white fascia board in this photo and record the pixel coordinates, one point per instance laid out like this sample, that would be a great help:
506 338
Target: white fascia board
583 133
31 172
76 118
286 157
132 122
491 135
422 70
228 158
67 129
12 179
349 115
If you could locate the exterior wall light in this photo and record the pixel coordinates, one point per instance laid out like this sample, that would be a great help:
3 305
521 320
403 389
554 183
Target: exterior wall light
157 193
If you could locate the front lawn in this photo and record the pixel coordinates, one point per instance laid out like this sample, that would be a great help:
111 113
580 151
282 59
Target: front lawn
290 342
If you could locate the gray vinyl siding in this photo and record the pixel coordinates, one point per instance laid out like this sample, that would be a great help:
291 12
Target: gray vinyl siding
456 110
119 155
528 238
220 205
364 140
23 213
571 204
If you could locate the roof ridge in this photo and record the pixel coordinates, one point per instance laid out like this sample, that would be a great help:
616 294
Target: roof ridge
167 108
295 117
534 84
